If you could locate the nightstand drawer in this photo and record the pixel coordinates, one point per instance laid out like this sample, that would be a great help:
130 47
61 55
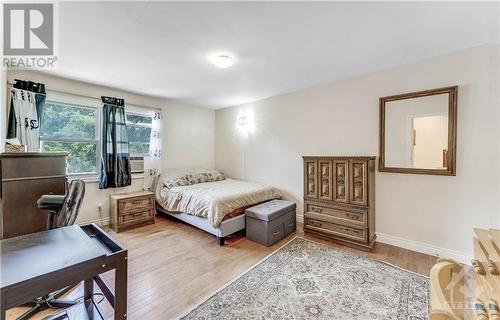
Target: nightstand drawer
132 210
125 205
136 217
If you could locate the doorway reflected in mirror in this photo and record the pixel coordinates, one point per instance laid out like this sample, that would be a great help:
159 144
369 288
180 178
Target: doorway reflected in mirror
418 132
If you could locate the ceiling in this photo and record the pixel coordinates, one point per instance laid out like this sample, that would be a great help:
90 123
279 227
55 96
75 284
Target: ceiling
162 48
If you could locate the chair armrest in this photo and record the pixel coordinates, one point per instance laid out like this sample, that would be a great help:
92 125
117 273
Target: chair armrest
51 202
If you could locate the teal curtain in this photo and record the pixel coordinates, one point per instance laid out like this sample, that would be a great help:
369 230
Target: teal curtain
115 157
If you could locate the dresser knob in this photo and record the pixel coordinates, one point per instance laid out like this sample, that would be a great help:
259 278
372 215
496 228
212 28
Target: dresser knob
478 267
353 216
492 268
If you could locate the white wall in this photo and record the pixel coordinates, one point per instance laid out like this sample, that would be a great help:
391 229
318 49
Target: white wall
433 214
188 134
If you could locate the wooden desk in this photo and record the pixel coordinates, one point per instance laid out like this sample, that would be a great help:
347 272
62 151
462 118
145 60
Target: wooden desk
36 264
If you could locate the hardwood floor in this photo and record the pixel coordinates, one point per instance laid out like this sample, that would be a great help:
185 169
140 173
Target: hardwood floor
174 266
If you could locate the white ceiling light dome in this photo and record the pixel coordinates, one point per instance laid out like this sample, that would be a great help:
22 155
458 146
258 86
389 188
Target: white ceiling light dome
222 61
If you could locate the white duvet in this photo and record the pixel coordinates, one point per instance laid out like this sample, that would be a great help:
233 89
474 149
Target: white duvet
214 200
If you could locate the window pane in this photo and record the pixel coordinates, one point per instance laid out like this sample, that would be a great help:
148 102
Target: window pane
133 118
64 121
82 155
138 134
139 149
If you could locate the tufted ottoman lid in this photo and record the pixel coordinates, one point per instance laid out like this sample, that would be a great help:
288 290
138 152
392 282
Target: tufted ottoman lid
270 210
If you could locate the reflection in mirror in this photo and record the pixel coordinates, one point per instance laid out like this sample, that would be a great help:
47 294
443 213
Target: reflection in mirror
416 132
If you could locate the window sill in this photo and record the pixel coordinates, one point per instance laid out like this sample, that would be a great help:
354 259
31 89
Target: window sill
95 177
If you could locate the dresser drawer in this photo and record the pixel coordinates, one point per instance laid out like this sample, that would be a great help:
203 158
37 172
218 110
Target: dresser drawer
136 217
336 229
135 203
341 216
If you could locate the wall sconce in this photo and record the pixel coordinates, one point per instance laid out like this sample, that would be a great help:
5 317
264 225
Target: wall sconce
242 121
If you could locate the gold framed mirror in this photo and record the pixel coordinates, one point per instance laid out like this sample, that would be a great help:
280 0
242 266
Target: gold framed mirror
418 132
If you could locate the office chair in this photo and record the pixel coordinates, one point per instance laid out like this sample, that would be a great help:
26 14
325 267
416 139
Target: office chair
62 211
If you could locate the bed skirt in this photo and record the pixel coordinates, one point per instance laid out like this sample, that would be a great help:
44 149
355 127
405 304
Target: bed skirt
226 227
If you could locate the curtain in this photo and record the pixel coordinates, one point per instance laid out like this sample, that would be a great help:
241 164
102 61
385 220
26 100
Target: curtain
115 157
26 107
152 163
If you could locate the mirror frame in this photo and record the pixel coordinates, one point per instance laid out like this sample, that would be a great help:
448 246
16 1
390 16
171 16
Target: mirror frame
452 131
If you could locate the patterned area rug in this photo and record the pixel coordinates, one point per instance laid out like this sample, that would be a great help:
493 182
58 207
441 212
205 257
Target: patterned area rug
308 280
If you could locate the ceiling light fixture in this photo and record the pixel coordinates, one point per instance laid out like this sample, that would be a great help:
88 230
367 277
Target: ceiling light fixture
222 61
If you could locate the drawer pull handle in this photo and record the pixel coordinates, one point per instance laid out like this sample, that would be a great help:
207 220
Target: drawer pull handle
353 216
276 232
315 209
137 214
291 224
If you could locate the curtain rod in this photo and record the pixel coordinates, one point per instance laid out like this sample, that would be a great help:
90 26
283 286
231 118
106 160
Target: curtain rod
11 83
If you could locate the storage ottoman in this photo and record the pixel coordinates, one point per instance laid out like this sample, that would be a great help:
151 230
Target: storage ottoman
271 221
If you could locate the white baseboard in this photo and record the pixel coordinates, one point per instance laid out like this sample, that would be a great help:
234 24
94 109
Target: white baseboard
300 218
424 248
100 222
416 246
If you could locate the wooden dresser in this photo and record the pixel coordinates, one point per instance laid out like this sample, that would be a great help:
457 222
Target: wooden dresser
339 199
132 210
26 176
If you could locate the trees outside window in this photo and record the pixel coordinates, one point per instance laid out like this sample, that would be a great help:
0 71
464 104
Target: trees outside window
73 129
73 126
139 133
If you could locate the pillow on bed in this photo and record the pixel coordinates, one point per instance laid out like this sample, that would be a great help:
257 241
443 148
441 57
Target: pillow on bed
197 176
175 178
214 175
176 182
204 175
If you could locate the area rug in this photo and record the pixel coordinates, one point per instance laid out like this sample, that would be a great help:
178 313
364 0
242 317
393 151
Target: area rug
308 280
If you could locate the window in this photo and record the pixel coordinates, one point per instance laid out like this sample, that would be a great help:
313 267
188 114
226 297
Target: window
74 129
73 124
139 133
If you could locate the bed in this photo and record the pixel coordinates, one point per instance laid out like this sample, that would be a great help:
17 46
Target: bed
208 200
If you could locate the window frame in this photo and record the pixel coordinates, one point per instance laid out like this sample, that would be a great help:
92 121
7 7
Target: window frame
139 111
78 102
75 100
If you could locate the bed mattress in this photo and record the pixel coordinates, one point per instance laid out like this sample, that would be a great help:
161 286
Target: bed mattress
214 200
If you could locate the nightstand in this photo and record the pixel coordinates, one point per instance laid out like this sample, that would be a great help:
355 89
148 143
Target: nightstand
132 210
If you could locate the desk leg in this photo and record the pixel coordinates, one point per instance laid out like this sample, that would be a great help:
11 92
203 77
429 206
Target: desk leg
88 289
3 305
121 287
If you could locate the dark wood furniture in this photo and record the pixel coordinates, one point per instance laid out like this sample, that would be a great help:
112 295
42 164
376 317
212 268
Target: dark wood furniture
132 210
39 263
449 155
25 178
339 199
